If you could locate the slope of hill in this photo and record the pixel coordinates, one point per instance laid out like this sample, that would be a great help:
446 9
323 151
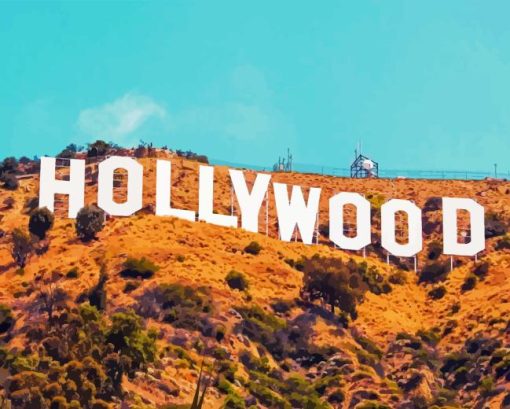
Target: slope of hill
410 344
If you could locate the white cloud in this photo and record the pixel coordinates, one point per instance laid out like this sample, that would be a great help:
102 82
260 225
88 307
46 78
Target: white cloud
117 120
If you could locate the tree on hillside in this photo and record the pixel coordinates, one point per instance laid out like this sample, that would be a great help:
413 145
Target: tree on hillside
10 181
41 220
9 165
97 294
98 148
21 247
333 281
89 222
51 298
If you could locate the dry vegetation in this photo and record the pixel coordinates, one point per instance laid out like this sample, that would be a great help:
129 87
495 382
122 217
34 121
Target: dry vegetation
130 315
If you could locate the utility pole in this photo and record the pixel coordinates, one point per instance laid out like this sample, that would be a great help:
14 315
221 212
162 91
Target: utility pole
496 170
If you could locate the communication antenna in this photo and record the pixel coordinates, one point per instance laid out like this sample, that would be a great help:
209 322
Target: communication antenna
284 164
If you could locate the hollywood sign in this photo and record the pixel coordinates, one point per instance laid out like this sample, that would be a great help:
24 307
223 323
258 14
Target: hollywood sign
292 213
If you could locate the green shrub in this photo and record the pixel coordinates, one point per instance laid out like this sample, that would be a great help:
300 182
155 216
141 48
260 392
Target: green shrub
97 295
227 368
502 367
503 243
219 332
233 401
263 327
253 248
481 269
435 249
6 319
128 338
21 247
469 283
8 165
73 273
437 292
431 336
375 281
223 385
399 277
486 386
130 286
89 222
369 346
434 272
237 280
337 283
370 404
261 318
10 181
98 148
59 402
253 363
267 397
184 306
100 404
138 268
282 306
41 220
336 397
376 201
495 225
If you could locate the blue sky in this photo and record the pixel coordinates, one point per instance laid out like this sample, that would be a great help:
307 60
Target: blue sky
424 85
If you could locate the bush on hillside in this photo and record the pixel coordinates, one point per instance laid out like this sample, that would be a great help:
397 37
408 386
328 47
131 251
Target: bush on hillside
282 306
41 220
237 280
73 273
370 404
431 336
70 151
21 247
337 283
192 156
253 248
261 326
437 292
469 283
8 165
180 305
138 268
503 243
434 272
89 222
98 148
433 204
481 269
128 338
376 282
78 367
10 181
233 401
495 225
97 295
398 277
435 249
6 319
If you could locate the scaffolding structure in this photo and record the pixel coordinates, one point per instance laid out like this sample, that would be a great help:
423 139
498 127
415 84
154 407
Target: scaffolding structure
364 167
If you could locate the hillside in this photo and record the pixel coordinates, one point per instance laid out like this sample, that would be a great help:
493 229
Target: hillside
270 344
